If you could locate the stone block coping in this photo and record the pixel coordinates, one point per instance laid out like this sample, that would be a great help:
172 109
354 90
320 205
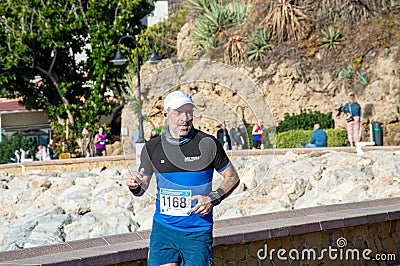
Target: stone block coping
109 250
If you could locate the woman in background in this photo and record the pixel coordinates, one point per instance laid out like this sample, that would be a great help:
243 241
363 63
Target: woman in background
352 111
100 141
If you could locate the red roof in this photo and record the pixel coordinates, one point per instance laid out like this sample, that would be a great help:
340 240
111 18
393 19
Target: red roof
11 105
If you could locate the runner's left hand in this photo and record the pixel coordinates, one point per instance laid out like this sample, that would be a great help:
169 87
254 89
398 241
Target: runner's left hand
203 205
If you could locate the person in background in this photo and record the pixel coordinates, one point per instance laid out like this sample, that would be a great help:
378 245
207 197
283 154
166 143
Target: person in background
257 132
318 138
51 151
223 137
46 154
100 140
352 110
17 157
22 154
236 137
39 153
183 160
28 155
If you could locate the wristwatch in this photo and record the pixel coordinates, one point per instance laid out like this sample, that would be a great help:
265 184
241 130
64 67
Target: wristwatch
216 196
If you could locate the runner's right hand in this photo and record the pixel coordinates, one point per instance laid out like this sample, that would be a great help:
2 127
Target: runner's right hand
135 179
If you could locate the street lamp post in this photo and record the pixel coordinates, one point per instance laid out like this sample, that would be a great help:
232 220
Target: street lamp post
119 59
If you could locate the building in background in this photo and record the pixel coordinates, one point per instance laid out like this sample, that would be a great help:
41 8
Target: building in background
33 124
159 14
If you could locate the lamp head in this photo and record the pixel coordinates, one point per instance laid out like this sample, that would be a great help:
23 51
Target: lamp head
119 59
154 58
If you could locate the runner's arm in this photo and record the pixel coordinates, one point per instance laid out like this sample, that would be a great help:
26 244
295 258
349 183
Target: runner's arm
230 182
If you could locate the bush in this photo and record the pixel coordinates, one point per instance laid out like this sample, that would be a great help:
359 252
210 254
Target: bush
293 138
337 137
305 120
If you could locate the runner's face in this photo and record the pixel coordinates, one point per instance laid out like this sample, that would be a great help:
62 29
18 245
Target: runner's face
180 120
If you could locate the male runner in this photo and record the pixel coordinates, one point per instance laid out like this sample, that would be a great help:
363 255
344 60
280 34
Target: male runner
183 160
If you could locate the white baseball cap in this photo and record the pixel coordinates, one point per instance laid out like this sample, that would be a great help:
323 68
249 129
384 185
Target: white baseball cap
176 99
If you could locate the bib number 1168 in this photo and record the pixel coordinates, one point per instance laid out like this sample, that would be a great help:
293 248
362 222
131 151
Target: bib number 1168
175 202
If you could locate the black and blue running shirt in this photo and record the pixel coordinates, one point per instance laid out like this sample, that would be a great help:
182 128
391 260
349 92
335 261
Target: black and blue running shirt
183 171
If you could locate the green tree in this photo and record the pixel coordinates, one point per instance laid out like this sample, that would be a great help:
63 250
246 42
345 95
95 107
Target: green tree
45 38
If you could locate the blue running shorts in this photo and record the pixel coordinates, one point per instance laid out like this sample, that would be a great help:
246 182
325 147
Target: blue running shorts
187 248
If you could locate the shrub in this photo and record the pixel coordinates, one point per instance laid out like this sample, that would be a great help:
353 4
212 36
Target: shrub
331 38
234 50
362 78
337 137
305 120
212 19
259 44
286 21
293 138
346 73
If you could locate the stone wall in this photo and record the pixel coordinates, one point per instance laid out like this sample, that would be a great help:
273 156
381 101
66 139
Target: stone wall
344 231
380 238
69 165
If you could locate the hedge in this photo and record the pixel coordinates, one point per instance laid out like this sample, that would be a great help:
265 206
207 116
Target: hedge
293 138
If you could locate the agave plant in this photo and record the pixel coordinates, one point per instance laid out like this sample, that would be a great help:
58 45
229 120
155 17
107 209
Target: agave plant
203 37
198 5
346 73
331 38
362 78
214 19
259 44
238 12
234 50
285 21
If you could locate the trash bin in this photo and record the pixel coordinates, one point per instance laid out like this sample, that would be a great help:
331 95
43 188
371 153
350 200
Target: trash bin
377 133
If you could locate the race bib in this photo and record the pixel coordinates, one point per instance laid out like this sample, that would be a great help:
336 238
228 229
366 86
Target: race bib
102 142
175 202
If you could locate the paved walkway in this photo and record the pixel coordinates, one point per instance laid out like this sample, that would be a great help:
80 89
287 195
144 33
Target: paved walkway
310 150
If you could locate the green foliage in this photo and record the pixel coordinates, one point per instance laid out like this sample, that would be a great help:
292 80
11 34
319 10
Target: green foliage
11 143
198 5
337 137
164 35
346 73
258 45
44 38
203 37
331 38
293 138
212 19
362 78
305 120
